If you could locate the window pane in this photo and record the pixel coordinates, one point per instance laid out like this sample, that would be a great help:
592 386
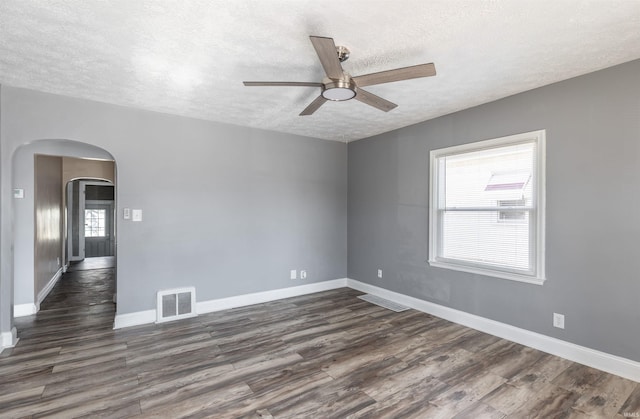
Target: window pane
94 222
481 178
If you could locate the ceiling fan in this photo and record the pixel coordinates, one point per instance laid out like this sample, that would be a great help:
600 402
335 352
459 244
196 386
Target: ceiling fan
340 86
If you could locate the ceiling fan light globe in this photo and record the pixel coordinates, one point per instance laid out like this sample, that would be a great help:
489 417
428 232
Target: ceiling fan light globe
338 94
339 90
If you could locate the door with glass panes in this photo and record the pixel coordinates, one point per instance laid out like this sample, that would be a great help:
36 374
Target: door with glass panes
98 236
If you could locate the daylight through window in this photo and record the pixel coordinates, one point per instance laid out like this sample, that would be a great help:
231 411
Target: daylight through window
94 222
487 207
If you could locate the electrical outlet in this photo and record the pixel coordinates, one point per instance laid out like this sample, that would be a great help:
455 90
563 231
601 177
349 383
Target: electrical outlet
379 273
294 274
303 274
558 320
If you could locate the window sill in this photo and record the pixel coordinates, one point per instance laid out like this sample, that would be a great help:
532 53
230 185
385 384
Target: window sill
488 272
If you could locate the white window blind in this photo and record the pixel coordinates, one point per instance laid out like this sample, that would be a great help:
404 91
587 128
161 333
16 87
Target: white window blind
486 214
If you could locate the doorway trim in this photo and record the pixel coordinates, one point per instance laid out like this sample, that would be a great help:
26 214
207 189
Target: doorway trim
81 206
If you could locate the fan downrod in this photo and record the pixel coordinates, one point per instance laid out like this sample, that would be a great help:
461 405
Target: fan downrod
343 53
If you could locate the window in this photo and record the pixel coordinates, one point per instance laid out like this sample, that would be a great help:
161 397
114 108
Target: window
94 222
487 207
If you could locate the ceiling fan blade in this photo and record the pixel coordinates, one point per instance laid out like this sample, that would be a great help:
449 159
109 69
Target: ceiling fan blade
313 106
373 100
281 83
326 49
404 73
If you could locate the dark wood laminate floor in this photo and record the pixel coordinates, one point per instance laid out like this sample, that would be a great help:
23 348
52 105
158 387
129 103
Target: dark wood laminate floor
326 355
100 262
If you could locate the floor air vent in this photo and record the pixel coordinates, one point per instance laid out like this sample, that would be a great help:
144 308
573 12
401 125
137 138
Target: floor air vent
379 301
175 304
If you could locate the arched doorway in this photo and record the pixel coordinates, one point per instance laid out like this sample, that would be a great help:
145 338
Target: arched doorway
41 170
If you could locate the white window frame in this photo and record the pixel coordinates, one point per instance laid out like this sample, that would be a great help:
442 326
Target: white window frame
537 211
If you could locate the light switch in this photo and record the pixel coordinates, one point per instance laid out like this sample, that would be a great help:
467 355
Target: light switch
127 213
136 215
18 193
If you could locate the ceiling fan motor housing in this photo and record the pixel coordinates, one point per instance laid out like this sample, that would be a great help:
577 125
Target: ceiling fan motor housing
339 90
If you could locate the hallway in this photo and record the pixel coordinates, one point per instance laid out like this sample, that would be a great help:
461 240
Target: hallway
101 262
77 308
85 284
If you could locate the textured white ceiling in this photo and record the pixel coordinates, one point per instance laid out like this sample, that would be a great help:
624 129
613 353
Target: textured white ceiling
190 57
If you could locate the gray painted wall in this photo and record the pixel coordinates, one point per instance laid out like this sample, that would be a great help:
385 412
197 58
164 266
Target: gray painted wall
593 211
229 210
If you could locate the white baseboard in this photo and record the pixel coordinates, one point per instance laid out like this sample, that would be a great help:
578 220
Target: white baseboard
134 319
149 316
590 357
21 310
8 339
266 296
27 309
47 288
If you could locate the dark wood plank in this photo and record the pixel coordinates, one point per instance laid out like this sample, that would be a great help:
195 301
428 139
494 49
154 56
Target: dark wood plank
550 402
529 381
631 407
328 354
606 397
